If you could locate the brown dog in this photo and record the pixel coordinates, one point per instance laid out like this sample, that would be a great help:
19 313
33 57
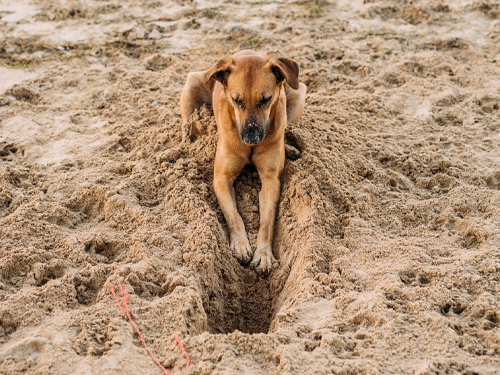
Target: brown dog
253 97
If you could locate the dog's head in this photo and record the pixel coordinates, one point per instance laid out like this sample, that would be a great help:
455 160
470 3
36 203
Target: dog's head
252 84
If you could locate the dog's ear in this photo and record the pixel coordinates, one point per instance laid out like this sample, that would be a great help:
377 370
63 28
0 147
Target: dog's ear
286 69
219 72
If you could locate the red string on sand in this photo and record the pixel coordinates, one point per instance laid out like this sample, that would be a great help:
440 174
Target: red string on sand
181 345
123 305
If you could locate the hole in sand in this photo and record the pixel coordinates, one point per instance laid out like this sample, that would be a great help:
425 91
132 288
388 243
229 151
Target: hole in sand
293 149
7 328
7 149
88 285
103 251
444 309
43 273
235 297
243 303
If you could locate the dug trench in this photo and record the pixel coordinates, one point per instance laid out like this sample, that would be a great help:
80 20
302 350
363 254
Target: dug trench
234 297
308 231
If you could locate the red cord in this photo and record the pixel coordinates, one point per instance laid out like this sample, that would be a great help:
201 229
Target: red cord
123 305
179 342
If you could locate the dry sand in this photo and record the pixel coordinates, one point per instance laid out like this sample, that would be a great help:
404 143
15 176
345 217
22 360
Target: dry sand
388 229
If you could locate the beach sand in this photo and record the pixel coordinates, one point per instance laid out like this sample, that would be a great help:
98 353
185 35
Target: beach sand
387 235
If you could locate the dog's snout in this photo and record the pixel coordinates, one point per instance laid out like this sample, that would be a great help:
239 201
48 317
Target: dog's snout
252 133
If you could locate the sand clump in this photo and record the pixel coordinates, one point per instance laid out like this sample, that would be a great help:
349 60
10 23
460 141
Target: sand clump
387 234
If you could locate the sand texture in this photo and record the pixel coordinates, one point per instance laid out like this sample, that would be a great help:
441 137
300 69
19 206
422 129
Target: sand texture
387 235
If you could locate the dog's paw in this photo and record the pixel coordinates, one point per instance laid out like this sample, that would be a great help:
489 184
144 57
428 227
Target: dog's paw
262 261
242 249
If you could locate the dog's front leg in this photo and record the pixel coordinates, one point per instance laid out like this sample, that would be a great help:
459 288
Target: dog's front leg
268 201
226 169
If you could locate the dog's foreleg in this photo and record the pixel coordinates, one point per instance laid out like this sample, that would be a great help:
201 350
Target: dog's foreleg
268 200
224 175
269 165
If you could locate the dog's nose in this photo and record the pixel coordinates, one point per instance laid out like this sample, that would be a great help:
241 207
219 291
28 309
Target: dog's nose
252 133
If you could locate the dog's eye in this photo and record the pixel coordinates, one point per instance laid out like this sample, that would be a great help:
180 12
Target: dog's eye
239 103
264 102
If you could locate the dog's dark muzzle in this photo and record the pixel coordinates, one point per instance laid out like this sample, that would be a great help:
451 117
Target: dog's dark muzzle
253 133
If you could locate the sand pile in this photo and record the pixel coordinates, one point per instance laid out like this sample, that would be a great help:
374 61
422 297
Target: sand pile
388 230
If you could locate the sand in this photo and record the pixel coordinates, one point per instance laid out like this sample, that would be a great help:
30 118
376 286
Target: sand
387 236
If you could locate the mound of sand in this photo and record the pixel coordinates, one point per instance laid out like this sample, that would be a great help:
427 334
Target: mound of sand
388 230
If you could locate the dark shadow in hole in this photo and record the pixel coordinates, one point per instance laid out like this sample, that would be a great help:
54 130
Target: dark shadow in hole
8 149
88 286
445 309
238 299
293 146
103 251
47 272
243 303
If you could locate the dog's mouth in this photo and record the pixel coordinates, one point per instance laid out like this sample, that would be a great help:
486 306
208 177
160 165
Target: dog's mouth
252 134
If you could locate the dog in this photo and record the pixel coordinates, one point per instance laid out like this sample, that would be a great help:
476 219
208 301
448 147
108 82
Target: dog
253 96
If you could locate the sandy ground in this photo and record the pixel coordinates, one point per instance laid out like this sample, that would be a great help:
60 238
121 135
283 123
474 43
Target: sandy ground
388 230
